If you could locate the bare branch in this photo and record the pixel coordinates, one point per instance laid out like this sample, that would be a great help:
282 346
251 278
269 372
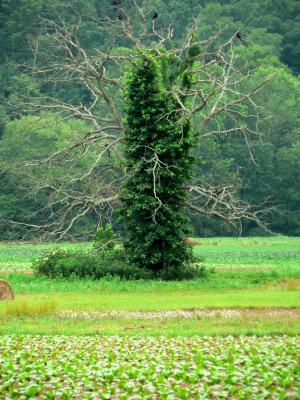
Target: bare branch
217 89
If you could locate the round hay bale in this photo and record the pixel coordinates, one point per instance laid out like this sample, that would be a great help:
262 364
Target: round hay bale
6 292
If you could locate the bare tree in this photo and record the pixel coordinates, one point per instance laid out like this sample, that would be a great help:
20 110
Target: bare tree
216 93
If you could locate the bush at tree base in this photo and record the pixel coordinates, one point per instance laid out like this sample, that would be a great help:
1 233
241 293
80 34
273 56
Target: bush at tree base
61 263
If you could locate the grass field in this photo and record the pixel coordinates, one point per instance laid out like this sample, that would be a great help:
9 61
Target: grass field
233 334
242 274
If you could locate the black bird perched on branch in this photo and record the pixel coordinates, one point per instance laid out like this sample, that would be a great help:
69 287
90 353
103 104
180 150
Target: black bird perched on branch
120 17
154 16
239 36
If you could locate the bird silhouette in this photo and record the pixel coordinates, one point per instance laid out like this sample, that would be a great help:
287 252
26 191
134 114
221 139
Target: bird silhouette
239 36
120 17
155 15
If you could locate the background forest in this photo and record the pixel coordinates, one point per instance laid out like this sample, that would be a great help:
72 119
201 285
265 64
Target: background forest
270 45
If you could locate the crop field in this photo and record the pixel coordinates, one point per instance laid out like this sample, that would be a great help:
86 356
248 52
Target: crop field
18 256
60 367
234 334
264 252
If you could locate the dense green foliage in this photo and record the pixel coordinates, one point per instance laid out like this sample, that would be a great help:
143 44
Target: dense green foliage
271 31
107 263
158 159
105 239
62 263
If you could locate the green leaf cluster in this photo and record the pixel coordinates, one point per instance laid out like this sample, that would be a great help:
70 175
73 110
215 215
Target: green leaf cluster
147 367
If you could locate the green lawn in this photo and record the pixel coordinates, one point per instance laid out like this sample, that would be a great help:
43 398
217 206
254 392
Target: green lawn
160 300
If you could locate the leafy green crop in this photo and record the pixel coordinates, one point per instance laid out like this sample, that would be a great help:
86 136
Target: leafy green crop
115 367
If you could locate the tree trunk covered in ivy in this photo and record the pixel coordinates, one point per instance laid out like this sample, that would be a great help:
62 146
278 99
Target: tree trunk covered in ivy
159 143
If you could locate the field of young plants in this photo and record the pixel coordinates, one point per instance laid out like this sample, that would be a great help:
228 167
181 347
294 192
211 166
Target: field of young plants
60 367
234 334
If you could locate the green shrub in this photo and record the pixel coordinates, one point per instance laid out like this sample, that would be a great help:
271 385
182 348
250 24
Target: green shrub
95 265
188 272
45 264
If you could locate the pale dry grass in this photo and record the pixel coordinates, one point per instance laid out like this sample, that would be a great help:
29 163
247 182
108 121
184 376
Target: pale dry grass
23 308
290 284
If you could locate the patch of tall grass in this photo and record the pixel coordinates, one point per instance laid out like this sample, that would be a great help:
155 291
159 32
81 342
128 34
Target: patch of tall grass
23 308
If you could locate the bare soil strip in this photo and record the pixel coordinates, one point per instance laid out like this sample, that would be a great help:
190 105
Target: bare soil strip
21 272
224 313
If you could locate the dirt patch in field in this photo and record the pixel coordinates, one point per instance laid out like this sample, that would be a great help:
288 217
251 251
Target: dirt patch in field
242 268
237 243
284 284
224 313
7 273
